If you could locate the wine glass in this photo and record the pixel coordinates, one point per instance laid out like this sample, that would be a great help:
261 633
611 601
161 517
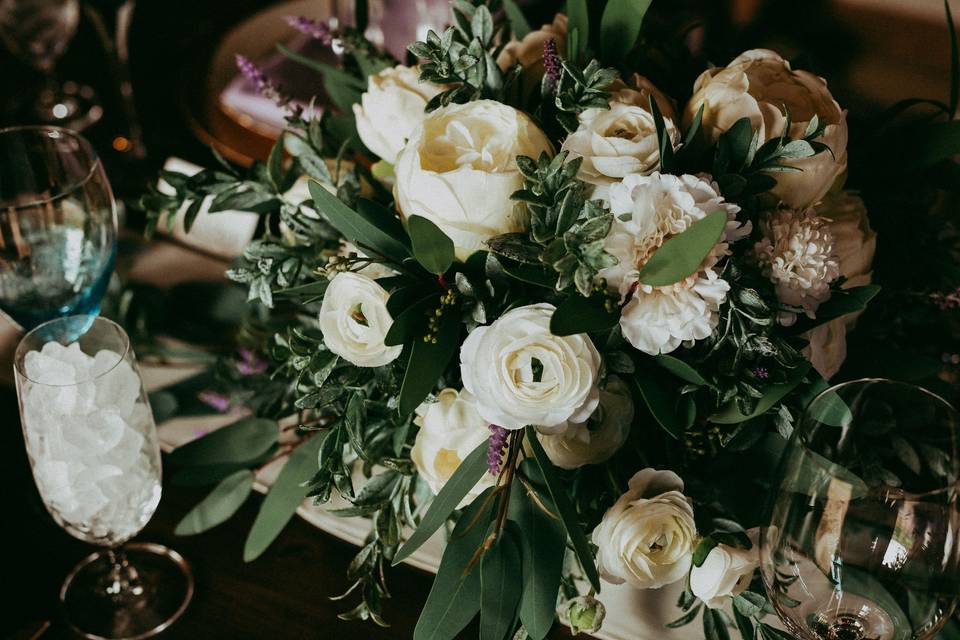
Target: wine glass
93 449
58 225
38 32
863 541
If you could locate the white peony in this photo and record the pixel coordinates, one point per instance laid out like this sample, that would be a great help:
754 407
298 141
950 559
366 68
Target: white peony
521 374
646 538
649 210
757 85
621 140
459 170
391 108
854 245
354 320
726 571
796 253
597 439
450 429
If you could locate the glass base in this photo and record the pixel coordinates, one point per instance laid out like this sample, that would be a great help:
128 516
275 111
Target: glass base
152 591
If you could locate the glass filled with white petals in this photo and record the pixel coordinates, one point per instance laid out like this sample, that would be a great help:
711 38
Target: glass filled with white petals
93 448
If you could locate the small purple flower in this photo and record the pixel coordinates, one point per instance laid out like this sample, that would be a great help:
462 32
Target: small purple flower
219 401
249 364
316 29
761 373
551 64
498 442
265 86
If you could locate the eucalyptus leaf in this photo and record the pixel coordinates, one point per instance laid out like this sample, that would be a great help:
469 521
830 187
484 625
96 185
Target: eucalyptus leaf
682 255
518 23
681 369
431 246
499 588
620 27
578 29
238 442
661 401
219 505
428 361
577 314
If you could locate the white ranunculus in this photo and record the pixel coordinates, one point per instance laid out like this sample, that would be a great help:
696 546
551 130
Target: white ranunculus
459 170
621 140
354 320
521 374
646 538
758 85
597 439
450 429
649 210
391 108
528 52
854 245
725 572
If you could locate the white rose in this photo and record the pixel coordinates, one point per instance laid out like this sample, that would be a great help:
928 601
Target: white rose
725 572
450 429
621 140
354 320
459 170
854 245
758 85
391 108
521 374
646 538
597 439
528 52
649 210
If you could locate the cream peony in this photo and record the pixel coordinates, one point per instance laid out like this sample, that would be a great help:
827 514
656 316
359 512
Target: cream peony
621 140
450 429
796 253
391 108
646 538
649 210
521 374
758 84
854 245
528 52
597 439
354 320
725 572
459 170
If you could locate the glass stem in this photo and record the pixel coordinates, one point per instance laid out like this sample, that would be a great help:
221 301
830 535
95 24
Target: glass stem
122 581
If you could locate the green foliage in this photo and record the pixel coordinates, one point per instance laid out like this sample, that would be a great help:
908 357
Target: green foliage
239 442
681 256
581 89
221 503
431 247
620 27
518 23
578 29
500 591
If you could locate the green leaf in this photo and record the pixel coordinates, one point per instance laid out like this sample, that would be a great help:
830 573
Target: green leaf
661 401
499 588
772 633
207 474
428 361
620 27
529 273
275 165
686 618
578 29
454 597
219 505
431 246
368 229
577 314
285 495
730 413
565 509
542 544
466 476
682 255
714 628
930 144
411 323
238 442
518 23
681 369
841 303
744 625
702 550
344 89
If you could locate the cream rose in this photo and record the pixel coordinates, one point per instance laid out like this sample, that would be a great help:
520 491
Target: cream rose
521 374
757 85
459 170
450 429
528 52
725 572
597 439
854 245
354 320
646 538
391 108
621 140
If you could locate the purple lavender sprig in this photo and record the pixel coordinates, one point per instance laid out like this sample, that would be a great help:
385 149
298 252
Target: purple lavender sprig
761 373
265 86
316 29
249 363
498 442
551 65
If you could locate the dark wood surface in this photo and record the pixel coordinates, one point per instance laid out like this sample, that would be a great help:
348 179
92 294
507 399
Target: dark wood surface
284 594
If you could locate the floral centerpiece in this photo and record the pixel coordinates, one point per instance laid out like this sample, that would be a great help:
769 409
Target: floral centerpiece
536 298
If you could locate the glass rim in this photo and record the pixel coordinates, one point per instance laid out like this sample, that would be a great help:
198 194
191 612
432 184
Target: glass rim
72 187
908 385
19 361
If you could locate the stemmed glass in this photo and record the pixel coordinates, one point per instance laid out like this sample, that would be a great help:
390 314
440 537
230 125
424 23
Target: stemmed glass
58 225
93 449
863 541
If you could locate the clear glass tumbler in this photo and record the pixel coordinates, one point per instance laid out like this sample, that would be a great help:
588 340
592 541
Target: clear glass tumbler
93 449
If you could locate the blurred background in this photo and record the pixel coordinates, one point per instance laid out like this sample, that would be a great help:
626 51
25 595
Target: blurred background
147 79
